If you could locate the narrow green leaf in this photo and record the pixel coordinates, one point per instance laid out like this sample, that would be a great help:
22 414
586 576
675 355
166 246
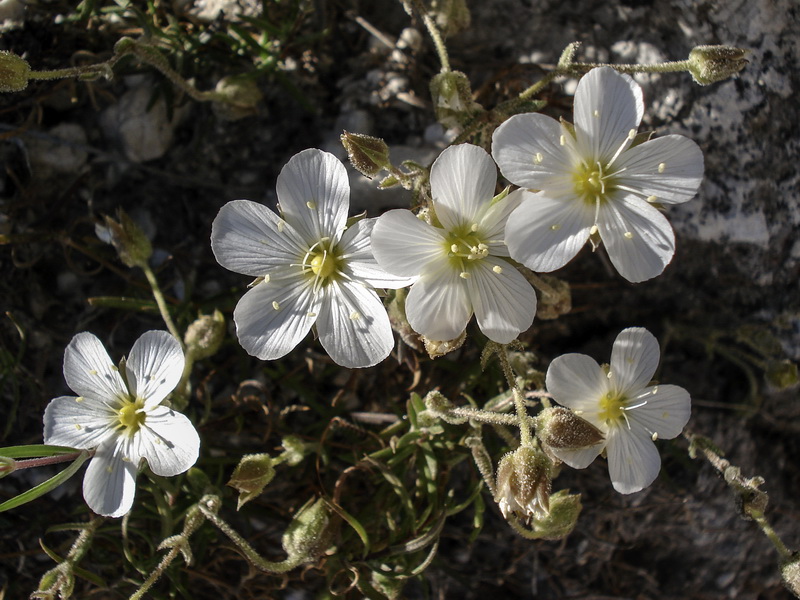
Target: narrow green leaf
357 527
46 486
35 451
137 304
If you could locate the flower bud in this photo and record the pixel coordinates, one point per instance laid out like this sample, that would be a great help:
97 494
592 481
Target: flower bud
781 373
310 533
523 484
251 476
239 97
565 508
133 246
7 466
204 336
294 450
14 72
452 16
709 64
452 98
366 153
790 573
560 428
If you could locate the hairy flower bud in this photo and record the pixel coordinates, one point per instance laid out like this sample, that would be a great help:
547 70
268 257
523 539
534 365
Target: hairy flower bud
133 246
310 533
523 484
204 336
790 573
239 97
251 476
452 98
7 466
709 64
14 72
560 521
781 373
367 154
559 427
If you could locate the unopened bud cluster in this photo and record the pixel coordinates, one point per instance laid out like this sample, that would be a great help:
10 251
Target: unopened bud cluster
709 64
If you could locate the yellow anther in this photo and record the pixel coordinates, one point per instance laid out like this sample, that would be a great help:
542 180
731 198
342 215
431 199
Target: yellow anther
596 114
593 230
538 158
311 315
654 437
473 227
464 275
454 248
114 368
311 205
266 278
497 269
562 140
631 134
78 426
555 227
276 305
92 372
652 198
79 399
281 225
628 235
661 167
355 316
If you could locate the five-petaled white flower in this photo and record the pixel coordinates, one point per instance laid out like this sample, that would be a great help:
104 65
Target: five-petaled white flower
460 265
619 402
122 417
310 269
592 180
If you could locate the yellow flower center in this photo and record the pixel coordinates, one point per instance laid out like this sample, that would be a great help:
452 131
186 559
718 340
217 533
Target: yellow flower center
130 416
611 407
323 265
465 245
593 183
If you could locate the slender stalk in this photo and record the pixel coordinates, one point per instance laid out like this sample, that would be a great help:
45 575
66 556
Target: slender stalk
435 34
523 423
47 460
162 303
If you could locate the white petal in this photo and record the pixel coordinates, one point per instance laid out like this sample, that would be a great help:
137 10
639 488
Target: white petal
168 441
634 359
579 458
90 372
154 367
504 302
438 306
639 239
358 262
463 179
529 151
404 245
669 168
248 238
353 325
110 482
492 225
544 234
314 194
78 422
633 460
667 410
269 333
608 105
577 382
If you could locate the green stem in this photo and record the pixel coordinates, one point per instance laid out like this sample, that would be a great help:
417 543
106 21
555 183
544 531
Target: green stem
48 460
435 34
162 303
523 423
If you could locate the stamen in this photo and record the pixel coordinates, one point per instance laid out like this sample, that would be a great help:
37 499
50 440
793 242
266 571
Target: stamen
497 269
464 275
593 230
555 227
538 158
355 316
281 226
114 368
78 426
631 134
311 205
276 305
634 406
628 235
311 315
79 399
454 248
596 114
654 437
562 140
662 167
473 227
92 372
266 278
652 198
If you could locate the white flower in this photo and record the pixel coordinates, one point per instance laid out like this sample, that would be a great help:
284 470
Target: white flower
592 180
619 402
310 269
461 266
122 417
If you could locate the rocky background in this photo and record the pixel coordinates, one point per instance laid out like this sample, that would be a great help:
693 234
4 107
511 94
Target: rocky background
726 311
